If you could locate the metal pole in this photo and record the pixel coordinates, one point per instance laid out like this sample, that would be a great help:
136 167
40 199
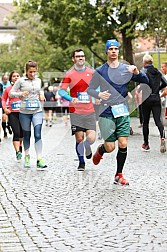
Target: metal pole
158 50
93 62
159 60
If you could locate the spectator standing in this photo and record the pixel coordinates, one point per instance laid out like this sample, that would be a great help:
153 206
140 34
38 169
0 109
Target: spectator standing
49 105
65 110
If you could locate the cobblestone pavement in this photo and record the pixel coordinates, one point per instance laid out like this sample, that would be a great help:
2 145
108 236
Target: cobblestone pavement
64 210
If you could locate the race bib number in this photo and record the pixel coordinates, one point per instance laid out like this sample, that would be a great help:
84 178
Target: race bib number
15 105
32 104
119 110
83 97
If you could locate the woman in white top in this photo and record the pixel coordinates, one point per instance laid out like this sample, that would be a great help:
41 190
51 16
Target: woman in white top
28 89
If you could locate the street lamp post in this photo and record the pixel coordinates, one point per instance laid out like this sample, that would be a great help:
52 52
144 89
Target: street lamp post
93 61
158 50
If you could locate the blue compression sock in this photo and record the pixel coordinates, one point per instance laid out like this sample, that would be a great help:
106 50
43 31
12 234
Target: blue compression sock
80 151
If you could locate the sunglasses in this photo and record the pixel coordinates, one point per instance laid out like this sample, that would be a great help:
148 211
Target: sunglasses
79 56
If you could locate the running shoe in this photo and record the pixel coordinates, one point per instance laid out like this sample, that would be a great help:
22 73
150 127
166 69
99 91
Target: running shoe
131 131
120 180
163 146
88 152
27 161
41 166
18 155
81 166
145 147
5 135
9 130
97 157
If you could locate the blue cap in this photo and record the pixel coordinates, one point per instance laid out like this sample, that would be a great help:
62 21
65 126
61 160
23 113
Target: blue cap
111 42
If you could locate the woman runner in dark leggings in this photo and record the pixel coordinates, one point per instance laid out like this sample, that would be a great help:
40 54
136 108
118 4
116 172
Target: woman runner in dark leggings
11 108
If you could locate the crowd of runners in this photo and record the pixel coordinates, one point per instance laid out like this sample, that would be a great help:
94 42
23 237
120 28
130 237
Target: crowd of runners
89 99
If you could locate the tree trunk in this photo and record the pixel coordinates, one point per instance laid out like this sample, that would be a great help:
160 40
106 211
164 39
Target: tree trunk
127 49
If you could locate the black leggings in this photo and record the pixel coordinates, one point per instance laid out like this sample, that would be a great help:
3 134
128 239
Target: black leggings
155 107
15 125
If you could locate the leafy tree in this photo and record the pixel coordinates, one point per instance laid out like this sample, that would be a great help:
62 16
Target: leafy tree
6 64
84 23
31 43
135 18
72 22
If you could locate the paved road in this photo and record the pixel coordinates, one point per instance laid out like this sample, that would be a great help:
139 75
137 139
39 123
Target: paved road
66 210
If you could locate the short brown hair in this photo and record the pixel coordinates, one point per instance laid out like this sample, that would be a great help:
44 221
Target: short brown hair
76 50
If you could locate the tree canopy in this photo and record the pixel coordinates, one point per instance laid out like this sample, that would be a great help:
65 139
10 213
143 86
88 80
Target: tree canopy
88 22
48 31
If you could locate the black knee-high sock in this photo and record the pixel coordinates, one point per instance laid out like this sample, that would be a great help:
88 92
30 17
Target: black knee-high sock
8 125
102 150
4 126
121 157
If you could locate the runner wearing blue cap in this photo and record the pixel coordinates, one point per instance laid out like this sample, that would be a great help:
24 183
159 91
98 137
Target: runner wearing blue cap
111 42
113 78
